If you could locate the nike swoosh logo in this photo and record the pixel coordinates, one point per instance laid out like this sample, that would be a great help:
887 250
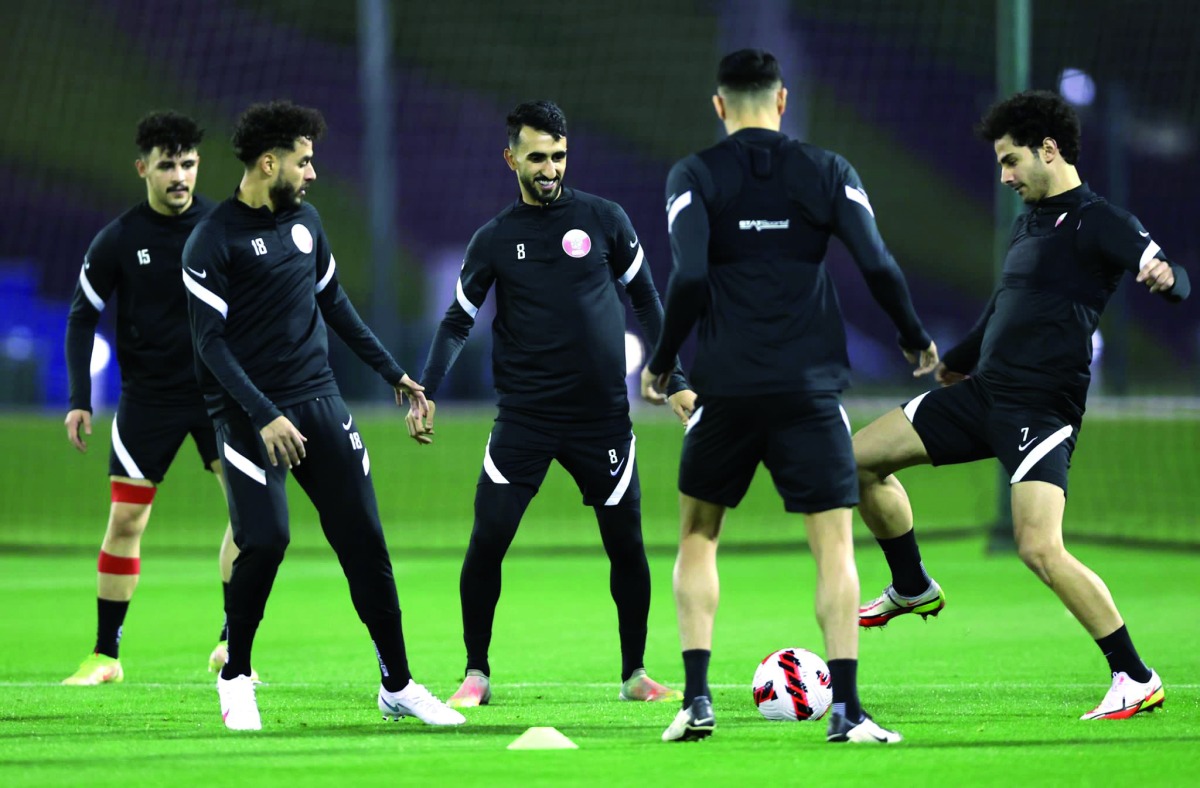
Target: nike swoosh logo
346 426
1144 235
198 274
1025 446
617 469
395 708
633 243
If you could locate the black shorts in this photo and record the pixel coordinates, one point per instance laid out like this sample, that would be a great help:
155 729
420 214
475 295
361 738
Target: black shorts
802 437
967 422
145 438
604 467
335 474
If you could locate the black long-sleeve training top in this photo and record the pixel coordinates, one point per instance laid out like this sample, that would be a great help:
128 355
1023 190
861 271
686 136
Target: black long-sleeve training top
750 220
262 286
1066 258
137 255
559 332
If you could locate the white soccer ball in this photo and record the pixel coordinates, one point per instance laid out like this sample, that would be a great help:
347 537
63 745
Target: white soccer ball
793 684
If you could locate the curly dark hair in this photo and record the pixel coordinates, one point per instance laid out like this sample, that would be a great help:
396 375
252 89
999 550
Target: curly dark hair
1031 117
749 71
169 131
265 127
545 116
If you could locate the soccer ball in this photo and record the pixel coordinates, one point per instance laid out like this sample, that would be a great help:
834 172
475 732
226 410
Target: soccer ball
793 684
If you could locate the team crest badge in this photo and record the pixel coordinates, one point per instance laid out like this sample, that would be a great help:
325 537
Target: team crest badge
302 238
576 243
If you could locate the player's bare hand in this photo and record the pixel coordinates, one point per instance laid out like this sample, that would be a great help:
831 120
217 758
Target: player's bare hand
1157 275
684 404
946 376
78 421
926 360
420 428
283 441
407 387
652 389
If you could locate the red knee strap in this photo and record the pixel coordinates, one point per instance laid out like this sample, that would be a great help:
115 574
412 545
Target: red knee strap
110 564
122 492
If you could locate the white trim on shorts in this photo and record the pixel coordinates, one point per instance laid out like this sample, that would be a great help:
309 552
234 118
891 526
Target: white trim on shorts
910 409
1041 451
619 491
131 468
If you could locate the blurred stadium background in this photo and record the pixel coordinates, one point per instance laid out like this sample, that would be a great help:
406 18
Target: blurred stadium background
415 93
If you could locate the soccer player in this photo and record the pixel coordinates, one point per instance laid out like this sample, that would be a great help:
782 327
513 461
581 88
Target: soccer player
749 220
137 256
262 287
555 256
1015 388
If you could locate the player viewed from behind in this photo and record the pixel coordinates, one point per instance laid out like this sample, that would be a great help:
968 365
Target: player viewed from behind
1015 388
750 220
263 286
137 257
556 257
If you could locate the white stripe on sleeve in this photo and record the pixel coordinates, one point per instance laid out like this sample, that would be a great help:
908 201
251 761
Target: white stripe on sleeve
634 267
681 202
466 305
90 291
1148 255
206 295
1039 452
859 196
328 275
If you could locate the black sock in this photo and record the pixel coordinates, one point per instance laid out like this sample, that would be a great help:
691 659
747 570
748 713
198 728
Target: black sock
1122 656
224 618
498 512
628 578
844 675
695 668
110 618
904 559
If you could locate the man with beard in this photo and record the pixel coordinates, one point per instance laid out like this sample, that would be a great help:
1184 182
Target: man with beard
137 257
1015 388
556 256
262 283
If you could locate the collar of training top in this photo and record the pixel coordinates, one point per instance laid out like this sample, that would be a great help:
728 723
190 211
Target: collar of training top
564 199
756 134
263 213
1067 198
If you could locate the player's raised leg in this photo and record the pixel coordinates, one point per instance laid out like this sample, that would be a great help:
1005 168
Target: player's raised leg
225 558
118 569
1038 509
886 445
697 591
831 542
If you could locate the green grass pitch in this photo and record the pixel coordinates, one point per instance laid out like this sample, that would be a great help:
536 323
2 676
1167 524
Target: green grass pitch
987 694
